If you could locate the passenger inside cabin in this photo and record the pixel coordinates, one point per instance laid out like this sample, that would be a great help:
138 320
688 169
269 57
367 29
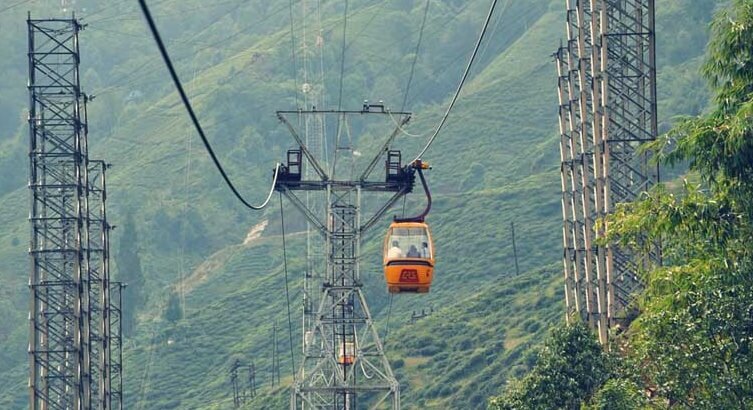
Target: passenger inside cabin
395 251
413 252
424 250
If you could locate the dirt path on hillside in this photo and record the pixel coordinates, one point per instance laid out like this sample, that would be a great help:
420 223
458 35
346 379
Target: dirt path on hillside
217 259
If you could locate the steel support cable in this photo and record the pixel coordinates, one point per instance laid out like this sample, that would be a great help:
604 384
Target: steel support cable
187 180
441 26
14 5
365 374
496 25
342 74
366 25
402 130
137 35
287 288
320 33
117 15
462 82
135 75
147 371
415 55
195 120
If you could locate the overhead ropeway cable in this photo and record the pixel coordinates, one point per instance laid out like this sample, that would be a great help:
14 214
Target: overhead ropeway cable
460 85
195 120
415 55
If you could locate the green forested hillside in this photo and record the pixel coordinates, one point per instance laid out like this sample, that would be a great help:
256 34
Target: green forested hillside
495 162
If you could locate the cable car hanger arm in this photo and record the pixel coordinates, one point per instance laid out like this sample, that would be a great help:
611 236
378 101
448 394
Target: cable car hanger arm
420 166
385 147
373 220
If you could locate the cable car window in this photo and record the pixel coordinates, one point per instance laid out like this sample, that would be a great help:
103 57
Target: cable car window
409 243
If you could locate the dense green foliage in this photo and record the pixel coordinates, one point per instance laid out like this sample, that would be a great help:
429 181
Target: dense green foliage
130 273
694 339
570 367
618 394
495 162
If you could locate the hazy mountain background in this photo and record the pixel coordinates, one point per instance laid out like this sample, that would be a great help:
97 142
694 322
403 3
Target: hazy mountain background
496 162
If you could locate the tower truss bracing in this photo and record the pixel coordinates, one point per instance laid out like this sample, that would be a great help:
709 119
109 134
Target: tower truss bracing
344 365
115 351
607 108
314 127
100 301
69 332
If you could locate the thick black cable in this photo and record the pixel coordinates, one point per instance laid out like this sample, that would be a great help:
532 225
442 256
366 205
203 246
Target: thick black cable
415 55
194 119
462 81
287 289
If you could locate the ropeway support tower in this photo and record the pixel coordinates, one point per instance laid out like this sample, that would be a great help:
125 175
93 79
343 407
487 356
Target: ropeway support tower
344 365
70 319
607 109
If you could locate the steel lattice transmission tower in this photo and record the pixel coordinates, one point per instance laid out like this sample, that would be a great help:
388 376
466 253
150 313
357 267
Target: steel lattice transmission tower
344 362
607 109
70 345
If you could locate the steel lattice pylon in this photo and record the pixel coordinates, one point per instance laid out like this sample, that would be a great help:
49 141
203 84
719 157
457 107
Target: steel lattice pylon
70 304
344 364
607 108
59 351
313 93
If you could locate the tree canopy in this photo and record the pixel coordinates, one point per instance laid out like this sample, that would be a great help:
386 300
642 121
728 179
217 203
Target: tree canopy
693 338
570 368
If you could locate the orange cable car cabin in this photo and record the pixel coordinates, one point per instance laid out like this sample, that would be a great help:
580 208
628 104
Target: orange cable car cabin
347 353
408 257
408 249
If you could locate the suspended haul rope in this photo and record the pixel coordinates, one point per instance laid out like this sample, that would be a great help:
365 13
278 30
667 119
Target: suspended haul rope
415 55
462 81
195 120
